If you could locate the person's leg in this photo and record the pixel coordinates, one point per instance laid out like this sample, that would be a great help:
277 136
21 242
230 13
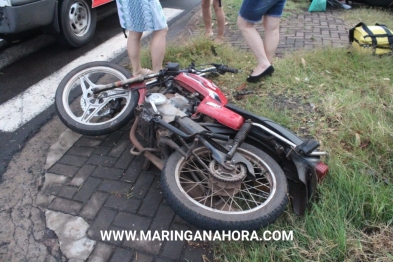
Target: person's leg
207 17
254 41
157 48
219 11
272 35
134 50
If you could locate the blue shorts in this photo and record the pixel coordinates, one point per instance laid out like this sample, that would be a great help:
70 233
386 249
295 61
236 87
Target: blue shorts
253 10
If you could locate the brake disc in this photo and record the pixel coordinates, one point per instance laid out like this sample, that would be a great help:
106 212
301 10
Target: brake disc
85 103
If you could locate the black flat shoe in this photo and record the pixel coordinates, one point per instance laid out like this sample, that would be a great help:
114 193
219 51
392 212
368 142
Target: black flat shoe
268 72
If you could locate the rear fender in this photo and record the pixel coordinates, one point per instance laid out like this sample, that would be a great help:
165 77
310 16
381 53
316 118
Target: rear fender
298 185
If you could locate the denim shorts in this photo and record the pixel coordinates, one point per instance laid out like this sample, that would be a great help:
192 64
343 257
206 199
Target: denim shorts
253 10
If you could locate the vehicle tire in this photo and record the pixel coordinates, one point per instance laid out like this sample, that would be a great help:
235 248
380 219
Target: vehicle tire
216 202
77 22
4 43
87 114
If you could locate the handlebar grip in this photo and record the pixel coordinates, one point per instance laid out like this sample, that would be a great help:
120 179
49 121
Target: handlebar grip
230 70
222 69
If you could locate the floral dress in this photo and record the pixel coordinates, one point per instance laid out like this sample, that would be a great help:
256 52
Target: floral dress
141 15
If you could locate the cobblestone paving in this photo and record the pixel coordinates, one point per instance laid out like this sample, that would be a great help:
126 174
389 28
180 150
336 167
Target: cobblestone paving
108 188
302 31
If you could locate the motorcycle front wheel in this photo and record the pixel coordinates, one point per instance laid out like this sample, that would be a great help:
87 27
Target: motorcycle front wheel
219 199
90 114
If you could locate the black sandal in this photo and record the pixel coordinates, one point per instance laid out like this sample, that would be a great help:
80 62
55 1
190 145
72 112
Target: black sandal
268 72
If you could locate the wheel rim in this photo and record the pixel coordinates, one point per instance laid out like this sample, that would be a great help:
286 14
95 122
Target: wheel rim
246 196
81 105
79 18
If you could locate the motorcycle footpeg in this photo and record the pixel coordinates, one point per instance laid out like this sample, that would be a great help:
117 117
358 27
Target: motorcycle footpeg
307 147
239 138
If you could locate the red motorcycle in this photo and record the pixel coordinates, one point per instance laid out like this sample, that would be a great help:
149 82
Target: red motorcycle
222 166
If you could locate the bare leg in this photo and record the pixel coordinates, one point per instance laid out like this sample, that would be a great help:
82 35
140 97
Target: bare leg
272 35
134 51
157 48
254 41
219 11
207 17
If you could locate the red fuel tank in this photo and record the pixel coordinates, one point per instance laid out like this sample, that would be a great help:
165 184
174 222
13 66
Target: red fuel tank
223 115
203 86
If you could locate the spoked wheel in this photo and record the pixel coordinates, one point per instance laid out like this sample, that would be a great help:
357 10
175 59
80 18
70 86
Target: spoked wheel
221 199
90 114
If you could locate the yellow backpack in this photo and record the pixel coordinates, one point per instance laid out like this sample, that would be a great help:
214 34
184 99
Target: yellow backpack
378 38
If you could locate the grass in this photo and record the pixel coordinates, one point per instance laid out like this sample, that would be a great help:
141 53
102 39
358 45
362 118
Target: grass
343 98
368 15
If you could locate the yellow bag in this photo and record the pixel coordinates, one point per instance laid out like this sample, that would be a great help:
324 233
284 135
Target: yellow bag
378 38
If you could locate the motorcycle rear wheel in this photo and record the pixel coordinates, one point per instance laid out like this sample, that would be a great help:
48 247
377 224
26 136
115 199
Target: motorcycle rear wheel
87 114
215 204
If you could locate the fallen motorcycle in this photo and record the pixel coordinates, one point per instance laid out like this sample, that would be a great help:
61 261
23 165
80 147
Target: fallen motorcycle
222 167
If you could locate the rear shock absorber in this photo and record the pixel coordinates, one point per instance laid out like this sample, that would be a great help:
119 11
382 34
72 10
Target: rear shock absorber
239 138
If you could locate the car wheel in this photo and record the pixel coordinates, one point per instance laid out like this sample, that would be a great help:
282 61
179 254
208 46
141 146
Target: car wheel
77 22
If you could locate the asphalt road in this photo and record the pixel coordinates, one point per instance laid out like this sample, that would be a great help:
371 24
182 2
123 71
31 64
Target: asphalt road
19 72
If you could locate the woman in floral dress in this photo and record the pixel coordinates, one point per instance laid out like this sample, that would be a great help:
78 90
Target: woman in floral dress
138 16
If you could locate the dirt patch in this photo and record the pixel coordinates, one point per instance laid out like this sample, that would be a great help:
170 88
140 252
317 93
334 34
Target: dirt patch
375 244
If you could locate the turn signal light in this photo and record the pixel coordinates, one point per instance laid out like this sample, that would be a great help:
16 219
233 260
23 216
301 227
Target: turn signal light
322 169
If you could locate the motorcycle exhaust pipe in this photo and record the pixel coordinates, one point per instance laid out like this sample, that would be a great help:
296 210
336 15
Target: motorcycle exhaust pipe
153 158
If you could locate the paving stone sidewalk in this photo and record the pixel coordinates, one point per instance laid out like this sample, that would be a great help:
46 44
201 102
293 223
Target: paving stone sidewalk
106 186
304 30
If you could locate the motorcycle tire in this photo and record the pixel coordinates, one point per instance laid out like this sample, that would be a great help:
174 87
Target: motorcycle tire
216 202
77 22
91 115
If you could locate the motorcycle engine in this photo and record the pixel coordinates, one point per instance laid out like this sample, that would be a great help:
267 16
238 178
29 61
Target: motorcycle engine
168 106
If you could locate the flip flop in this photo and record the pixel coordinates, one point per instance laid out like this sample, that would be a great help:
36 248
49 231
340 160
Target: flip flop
218 41
145 71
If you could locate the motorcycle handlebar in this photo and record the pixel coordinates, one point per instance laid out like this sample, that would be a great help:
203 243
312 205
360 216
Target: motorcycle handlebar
222 69
219 68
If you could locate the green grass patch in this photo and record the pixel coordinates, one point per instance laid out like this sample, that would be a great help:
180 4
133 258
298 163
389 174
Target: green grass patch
368 15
